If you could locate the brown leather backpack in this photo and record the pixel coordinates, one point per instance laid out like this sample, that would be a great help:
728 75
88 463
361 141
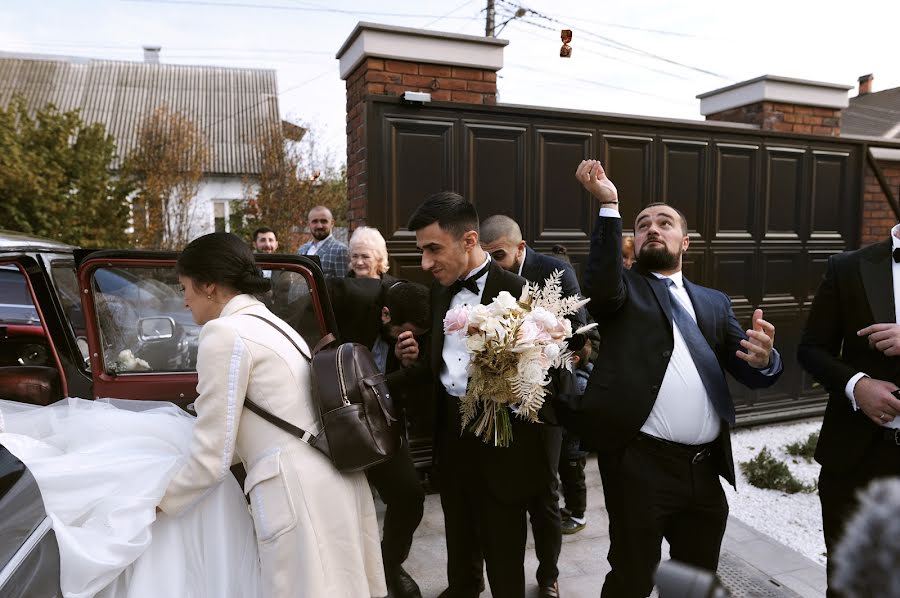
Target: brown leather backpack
355 406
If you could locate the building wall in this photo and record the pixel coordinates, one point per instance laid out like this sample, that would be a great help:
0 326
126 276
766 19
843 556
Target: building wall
214 189
878 217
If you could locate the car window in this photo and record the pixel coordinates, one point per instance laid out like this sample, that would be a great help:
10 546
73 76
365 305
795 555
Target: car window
65 282
22 338
143 323
291 300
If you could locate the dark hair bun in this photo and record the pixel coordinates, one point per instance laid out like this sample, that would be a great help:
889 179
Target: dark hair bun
252 282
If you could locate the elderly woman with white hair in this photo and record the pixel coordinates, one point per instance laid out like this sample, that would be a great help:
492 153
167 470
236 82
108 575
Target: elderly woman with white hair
368 254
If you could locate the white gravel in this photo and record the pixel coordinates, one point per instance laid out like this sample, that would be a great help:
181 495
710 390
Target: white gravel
793 519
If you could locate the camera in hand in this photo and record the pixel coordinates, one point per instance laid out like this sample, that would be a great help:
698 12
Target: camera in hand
678 580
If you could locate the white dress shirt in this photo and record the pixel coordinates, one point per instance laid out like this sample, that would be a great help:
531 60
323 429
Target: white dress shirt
895 274
455 366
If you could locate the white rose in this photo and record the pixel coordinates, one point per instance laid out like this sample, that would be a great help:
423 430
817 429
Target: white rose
478 314
544 318
504 302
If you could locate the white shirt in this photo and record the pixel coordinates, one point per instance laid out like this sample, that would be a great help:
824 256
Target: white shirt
895 274
454 368
683 411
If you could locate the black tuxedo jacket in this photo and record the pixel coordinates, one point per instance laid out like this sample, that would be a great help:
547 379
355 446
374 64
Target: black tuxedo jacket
857 291
513 473
538 267
634 315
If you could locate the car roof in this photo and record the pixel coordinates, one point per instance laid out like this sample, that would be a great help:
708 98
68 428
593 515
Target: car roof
15 240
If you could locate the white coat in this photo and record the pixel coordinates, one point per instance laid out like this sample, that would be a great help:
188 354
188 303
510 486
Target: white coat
316 528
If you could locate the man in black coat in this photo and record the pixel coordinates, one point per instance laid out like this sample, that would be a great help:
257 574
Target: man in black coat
851 345
374 313
657 407
501 237
484 489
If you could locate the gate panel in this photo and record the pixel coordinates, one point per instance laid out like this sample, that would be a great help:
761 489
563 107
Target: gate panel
500 151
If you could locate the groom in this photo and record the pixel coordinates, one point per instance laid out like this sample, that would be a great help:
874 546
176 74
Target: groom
485 490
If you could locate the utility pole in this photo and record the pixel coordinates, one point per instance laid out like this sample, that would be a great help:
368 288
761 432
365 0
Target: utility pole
489 23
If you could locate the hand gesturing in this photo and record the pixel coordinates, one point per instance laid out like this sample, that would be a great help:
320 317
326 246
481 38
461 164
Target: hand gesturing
591 175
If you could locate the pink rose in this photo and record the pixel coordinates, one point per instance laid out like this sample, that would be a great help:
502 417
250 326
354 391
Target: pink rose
456 319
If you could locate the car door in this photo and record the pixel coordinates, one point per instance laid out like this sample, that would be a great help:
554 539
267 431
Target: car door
143 341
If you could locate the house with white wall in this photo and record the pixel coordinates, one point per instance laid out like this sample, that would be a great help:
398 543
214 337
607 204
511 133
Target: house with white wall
231 106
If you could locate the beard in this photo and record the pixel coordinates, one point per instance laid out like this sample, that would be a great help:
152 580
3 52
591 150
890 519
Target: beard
657 258
318 235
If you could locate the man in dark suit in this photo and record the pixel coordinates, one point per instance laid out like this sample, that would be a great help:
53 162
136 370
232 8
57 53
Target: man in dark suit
657 407
375 313
484 489
851 345
501 237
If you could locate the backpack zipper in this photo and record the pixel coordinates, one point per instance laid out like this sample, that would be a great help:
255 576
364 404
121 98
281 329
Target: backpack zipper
340 369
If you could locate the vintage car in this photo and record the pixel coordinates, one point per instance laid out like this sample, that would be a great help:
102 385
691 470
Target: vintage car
92 324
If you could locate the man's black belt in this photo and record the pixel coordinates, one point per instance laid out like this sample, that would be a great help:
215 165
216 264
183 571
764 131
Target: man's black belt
695 453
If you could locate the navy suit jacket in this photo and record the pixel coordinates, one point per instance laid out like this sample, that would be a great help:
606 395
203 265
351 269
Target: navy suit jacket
634 315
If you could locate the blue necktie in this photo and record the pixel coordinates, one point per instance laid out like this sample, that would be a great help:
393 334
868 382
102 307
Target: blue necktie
704 358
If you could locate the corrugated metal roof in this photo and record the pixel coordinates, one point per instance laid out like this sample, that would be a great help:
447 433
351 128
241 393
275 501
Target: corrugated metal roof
873 114
232 106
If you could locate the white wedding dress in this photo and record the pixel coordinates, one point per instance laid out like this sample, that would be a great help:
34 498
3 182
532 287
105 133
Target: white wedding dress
102 467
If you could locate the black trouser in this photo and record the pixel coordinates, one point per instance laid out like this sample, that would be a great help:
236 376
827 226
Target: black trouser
546 526
658 490
572 461
401 491
837 492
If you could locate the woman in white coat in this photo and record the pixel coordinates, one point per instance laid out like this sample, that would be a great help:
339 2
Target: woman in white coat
316 528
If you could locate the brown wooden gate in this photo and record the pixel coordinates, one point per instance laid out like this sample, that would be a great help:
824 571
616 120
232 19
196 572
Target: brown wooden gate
765 209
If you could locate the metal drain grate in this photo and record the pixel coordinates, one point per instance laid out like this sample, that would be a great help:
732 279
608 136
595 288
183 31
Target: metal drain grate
742 579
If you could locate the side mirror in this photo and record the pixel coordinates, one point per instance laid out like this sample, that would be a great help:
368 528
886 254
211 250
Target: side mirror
35 385
157 328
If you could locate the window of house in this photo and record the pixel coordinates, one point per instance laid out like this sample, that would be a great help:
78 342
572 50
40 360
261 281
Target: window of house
228 215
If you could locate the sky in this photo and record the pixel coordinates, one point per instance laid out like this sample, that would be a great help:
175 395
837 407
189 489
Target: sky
642 57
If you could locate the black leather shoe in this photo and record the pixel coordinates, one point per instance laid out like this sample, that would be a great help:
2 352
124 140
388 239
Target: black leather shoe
551 591
449 594
401 585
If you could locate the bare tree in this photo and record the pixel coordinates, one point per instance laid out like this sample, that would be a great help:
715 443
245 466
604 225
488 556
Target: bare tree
166 168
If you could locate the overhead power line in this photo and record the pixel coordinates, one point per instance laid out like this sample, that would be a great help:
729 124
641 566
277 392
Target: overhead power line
617 44
296 8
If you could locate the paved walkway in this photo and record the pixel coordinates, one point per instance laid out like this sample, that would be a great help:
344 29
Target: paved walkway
752 564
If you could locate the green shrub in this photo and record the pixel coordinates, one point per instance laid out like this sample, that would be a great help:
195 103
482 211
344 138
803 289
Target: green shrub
765 471
805 449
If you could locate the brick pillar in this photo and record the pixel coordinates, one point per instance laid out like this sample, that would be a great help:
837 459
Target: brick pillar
779 104
878 217
386 60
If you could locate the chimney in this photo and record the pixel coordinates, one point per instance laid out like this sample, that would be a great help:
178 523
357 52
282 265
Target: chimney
151 54
865 84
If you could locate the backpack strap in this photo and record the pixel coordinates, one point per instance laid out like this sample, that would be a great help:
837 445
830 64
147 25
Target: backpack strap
287 336
325 341
305 436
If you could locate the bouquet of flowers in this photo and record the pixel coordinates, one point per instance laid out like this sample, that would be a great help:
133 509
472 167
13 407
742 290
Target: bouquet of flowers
512 345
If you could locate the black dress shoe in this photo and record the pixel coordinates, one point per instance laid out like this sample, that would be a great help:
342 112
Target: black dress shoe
551 591
401 585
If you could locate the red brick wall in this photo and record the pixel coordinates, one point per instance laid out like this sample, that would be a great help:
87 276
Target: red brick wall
789 118
376 76
878 217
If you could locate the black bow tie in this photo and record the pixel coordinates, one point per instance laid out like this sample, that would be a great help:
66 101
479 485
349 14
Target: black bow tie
896 254
471 283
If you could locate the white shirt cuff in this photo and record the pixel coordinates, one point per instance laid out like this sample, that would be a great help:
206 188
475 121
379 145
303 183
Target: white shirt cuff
851 384
609 213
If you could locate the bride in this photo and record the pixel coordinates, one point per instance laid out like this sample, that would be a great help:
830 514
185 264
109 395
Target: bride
106 472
